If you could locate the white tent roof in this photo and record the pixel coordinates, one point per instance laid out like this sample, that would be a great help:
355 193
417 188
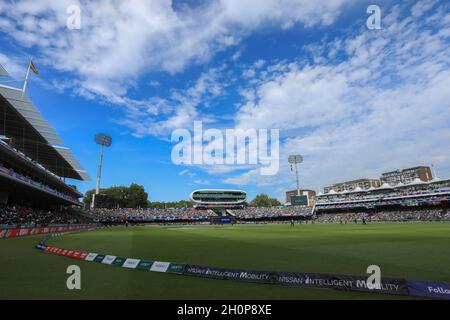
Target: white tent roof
417 181
385 186
358 189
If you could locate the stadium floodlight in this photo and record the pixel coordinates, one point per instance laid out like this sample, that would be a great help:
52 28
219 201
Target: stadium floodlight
104 140
295 160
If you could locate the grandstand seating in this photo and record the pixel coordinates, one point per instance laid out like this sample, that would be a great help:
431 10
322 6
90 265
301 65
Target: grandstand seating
414 195
34 166
36 184
149 215
416 214
22 217
273 212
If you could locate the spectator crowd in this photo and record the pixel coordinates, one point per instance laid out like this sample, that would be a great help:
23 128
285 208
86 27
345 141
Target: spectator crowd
19 216
143 215
423 191
389 216
271 212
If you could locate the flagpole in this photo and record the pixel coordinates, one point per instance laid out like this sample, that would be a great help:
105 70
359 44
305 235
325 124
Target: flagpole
26 79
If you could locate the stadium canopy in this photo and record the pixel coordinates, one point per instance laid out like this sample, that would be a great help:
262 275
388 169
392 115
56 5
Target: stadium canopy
357 189
417 181
399 185
385 186
3 72
28 131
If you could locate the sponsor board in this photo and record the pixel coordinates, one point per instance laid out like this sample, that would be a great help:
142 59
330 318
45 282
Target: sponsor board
429 289
99 258
176 268
230 274
23 232
118 262
144 265
79 255
40 246
91 256
108 259
159 266
131 263
312 280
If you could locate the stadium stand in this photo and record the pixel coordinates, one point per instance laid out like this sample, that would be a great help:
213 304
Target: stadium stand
406 215
189 214
25 217
415 201
149 215
415 194
273 212
34 166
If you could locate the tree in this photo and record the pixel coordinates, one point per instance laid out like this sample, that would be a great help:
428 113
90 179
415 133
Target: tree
275 202
137 197
133 196
263 200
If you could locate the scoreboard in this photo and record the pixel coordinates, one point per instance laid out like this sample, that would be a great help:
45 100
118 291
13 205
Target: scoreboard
299 200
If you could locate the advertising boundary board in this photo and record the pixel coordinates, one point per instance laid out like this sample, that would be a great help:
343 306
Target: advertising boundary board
8 233
300 279
392 286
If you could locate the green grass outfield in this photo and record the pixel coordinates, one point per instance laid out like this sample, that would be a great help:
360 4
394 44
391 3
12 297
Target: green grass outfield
409 250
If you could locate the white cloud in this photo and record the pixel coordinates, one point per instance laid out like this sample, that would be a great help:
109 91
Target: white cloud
121 40
202 182
187 172
179 111
383 106
421 7
13 67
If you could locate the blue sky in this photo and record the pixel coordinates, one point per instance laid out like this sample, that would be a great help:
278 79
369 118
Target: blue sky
355 102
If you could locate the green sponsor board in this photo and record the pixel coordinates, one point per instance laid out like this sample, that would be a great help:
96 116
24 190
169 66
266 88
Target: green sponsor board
144 265
176 268
118 262
99 258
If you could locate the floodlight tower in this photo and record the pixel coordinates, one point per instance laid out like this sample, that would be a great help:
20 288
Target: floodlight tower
295 160
104 140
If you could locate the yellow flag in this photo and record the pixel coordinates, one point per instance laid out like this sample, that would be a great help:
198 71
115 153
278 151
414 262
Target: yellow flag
32 67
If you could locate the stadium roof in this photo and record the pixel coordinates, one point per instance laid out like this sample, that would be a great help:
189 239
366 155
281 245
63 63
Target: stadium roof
3 72
417 181
34 136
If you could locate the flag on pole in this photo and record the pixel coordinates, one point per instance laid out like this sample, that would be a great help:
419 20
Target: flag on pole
32 67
